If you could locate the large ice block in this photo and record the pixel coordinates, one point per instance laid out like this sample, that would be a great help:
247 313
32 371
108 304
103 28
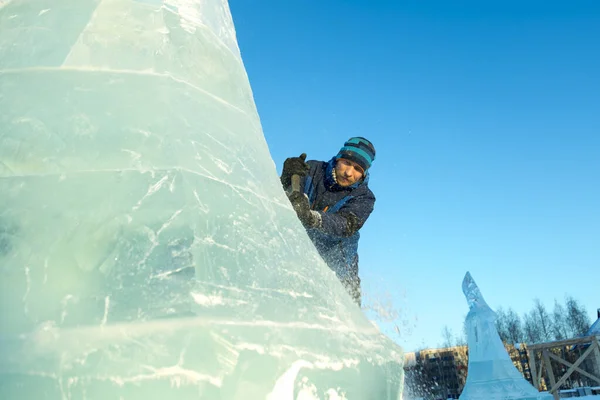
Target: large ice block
491 374
147 250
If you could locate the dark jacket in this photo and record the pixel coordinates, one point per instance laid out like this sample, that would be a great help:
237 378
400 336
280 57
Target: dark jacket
343 212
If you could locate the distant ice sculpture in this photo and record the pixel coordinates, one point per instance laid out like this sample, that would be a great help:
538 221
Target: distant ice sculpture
595 328
147 250
491 373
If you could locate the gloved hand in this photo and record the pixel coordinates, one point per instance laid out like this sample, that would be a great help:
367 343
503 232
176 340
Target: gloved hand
294 166
308 217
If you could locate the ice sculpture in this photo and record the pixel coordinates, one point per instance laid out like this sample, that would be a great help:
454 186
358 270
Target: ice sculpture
147 250
491 374
595 328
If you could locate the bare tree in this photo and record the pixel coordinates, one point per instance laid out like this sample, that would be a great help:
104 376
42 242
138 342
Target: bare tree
577 319
447 337
531 329
536 326
513 327
543 320
462 339
501 324
559 322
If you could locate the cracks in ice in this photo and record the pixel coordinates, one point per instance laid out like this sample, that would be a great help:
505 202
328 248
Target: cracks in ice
27 289
285 385
153 236
169 222
106 309
65 302
190 16
130 72
167 274
217 299
274 224
83 32
208 240
290 293
45 271
6 168
151 190
135 157
129 331
177 374
236 188
222 165
201 206
214 300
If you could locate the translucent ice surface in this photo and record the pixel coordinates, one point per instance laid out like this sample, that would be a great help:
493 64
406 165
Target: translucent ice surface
491 374
147 250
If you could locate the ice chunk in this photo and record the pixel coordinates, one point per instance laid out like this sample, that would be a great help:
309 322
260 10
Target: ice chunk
491 374
147 250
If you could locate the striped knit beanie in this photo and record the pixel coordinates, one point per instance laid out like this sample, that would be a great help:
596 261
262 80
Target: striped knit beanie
359 150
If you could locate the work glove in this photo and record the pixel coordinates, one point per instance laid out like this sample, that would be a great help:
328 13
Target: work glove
294 166
308 217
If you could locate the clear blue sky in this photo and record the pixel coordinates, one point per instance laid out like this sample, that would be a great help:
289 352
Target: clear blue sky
486 121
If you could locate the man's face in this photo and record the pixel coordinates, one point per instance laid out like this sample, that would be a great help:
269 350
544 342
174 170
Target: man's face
348 172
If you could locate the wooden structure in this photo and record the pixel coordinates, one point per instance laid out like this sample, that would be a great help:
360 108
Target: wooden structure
591 352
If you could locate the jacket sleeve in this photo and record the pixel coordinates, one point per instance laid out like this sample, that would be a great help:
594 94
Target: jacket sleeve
350 218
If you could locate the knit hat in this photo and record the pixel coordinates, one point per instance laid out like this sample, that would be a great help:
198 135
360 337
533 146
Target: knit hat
359 150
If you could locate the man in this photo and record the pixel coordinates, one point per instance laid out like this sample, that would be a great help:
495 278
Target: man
333 203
